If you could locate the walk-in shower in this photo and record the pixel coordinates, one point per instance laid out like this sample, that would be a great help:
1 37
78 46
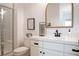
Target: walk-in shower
6 30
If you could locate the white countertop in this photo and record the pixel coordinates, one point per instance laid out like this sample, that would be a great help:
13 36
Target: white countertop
53 39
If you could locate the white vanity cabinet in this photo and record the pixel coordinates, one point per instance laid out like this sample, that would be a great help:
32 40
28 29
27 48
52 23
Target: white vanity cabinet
35 51
40 48
48 52
53 46
52 49
70 50
45 48
36 48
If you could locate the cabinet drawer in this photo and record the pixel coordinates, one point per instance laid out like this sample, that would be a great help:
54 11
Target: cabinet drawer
69 54
53 46
35 51
52 53
36 43
68 49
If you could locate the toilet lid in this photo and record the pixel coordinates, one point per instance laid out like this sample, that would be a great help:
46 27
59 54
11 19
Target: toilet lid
21 49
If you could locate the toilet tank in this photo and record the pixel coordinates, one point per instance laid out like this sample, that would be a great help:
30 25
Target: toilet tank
27 42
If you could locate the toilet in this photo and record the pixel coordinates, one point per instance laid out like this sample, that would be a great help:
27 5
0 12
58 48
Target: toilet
21 51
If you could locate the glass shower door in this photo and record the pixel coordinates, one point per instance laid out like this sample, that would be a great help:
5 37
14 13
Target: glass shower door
0 35
1 30
7 30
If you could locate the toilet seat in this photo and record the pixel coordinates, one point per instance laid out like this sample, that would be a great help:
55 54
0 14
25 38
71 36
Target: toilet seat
20 51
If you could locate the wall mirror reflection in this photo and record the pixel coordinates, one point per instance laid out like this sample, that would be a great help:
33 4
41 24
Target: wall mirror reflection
59 15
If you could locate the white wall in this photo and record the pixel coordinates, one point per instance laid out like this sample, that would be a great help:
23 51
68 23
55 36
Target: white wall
37 11
34 10
24 11
19 15
74 34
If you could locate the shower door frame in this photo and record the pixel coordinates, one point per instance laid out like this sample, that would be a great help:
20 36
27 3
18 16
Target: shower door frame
2 36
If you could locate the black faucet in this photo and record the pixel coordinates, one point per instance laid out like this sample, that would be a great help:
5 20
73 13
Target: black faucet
57 34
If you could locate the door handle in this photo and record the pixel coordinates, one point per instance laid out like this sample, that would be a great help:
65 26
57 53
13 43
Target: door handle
75 50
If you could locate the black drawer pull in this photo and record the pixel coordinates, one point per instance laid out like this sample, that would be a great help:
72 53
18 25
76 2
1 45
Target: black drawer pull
40 51
35 43
75 50
43 52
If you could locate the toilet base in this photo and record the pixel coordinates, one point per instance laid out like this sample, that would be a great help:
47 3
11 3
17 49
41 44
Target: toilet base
21 51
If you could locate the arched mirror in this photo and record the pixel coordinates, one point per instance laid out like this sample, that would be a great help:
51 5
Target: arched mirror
59 15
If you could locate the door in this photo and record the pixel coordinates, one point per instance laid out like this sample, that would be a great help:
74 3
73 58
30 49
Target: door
0 35
6 28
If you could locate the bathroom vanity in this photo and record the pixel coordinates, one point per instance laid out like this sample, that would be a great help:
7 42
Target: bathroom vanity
43 46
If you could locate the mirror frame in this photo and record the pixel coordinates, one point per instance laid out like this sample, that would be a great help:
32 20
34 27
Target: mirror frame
29 21
59 26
